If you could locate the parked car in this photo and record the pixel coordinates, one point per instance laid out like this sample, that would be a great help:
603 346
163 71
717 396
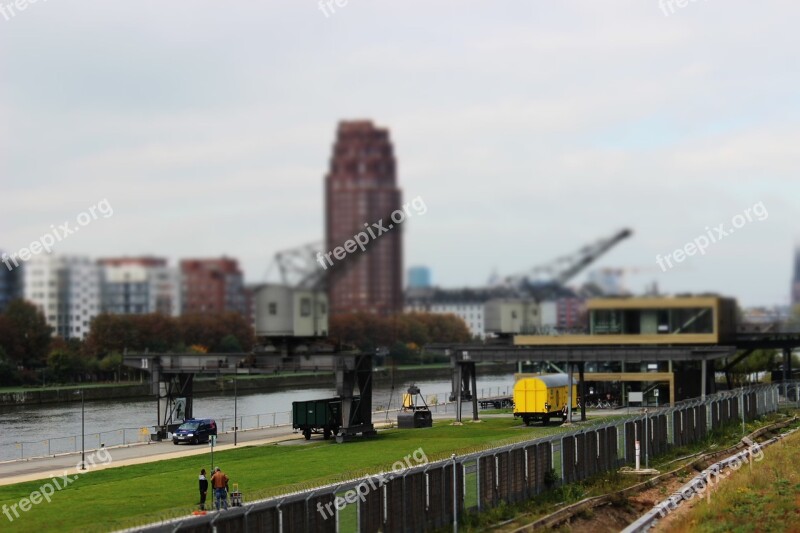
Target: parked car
195 431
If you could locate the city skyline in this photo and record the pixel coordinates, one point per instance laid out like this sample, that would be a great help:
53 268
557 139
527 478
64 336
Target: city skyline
528 132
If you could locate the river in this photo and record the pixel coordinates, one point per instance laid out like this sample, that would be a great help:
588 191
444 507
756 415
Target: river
48 429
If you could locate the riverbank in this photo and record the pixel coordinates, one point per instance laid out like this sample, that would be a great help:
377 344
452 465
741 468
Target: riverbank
245 384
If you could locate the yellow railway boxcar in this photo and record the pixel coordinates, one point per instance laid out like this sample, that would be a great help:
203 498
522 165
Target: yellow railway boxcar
543 397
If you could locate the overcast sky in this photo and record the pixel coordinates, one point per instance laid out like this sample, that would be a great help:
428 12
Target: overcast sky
529 128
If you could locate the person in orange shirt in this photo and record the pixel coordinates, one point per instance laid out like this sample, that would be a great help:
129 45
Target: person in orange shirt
219 482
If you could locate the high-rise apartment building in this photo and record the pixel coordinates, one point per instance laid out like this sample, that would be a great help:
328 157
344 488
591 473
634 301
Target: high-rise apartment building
66 289
212 286
140 285
419 277
361 190
10 283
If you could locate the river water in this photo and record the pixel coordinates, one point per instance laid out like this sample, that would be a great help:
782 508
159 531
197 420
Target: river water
43 430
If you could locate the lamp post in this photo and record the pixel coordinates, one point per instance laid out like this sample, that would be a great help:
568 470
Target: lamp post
646 456
83 432
235 413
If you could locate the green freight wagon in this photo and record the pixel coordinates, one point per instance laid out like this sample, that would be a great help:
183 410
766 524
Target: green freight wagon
318 416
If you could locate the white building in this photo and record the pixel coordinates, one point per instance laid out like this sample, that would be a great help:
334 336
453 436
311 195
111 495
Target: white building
67 291
134 286
466 304
516 315
282 311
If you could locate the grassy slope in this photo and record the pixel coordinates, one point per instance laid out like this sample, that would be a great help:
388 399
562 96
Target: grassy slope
132 495
764 499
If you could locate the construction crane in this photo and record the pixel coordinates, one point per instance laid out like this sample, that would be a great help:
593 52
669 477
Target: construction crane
558 272
299 267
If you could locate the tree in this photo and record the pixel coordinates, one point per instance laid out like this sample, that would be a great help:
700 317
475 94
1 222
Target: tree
230 344
368 331
156 332
210 330
111 365
747 370
111 333
8 373
238 326
400 353
25 335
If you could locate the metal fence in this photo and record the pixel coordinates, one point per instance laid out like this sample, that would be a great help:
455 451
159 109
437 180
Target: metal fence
72 443
435 495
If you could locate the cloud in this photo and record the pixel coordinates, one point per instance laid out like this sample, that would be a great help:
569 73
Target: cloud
530 129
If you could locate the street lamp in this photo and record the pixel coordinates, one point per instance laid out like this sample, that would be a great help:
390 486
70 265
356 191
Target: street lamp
83 432
235 414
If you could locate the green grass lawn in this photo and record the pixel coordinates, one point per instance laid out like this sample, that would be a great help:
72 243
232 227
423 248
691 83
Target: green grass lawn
134 495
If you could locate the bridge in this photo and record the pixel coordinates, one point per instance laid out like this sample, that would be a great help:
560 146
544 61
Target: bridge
172 377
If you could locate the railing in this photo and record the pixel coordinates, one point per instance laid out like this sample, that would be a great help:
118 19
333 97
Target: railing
72 444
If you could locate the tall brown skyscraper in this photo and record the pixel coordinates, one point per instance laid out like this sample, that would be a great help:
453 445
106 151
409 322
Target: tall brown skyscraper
361 190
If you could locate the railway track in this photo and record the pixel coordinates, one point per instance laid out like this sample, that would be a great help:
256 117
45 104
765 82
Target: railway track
701 463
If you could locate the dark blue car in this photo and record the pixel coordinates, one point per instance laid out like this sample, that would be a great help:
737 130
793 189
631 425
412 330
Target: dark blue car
195 431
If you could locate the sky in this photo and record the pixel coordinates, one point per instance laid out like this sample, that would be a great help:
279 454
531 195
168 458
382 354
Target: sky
528 128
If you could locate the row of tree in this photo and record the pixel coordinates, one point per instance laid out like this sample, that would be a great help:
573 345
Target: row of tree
404 335
30 354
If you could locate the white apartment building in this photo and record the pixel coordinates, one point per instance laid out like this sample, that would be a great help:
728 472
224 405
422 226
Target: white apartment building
67 291
466 304
135 286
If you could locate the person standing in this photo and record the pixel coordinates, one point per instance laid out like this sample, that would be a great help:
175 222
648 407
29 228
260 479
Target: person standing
203 489
219 482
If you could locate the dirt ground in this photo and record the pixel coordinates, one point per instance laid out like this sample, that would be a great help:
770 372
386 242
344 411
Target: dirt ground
615 517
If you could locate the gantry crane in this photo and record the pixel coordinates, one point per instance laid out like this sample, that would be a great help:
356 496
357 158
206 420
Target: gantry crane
556 273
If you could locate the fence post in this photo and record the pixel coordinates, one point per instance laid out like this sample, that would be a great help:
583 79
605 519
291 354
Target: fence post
741 407
273 419
455 495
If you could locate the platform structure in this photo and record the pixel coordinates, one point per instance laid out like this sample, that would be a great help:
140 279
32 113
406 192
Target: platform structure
687 333
172 377
463 360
